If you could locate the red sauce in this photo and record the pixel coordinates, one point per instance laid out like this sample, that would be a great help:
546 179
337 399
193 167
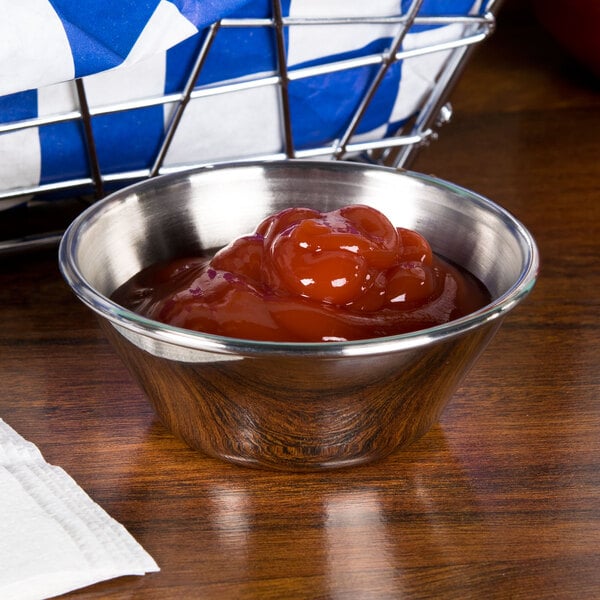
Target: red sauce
307 276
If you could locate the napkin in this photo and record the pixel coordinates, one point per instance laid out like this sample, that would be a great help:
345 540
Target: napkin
53 537
134 58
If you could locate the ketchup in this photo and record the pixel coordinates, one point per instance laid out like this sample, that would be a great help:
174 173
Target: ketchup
309 276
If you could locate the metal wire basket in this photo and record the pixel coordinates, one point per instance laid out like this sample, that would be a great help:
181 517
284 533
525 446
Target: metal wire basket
393 148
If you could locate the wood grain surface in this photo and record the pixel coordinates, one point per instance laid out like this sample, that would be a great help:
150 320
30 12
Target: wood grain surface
501 499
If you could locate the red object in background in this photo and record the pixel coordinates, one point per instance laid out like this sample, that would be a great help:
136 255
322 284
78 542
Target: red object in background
575 24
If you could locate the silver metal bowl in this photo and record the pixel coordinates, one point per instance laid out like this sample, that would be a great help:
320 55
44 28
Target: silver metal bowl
293 406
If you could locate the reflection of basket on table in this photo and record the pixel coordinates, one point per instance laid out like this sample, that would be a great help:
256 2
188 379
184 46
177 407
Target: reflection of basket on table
283 79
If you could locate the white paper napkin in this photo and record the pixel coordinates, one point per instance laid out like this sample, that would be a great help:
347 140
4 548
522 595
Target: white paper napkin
53 537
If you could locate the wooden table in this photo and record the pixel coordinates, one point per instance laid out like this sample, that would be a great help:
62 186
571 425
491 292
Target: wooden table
500 500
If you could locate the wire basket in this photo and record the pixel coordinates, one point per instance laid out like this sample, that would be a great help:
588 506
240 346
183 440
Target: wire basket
393 143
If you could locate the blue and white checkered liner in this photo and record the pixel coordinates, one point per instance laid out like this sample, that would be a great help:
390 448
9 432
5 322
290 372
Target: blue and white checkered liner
135 56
